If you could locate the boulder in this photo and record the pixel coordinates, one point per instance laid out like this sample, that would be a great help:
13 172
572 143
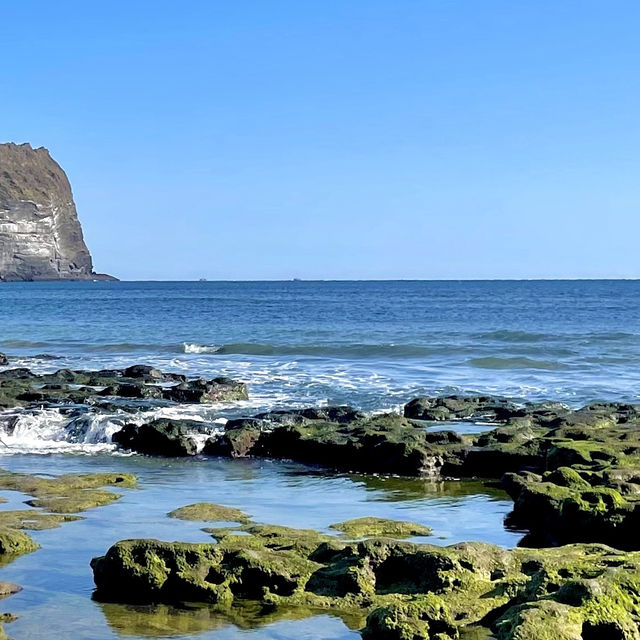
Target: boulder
161 437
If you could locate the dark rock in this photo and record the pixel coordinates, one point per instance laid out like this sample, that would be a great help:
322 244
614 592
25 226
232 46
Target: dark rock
384 443
561 506
17 374
19 387
4 361
143 371
161 437
206 391
461 407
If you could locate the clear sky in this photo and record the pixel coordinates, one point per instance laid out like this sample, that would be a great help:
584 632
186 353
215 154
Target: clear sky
272 139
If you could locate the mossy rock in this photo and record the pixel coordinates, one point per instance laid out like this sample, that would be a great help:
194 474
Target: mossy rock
545 620
368 527
80 500
15 543
426 618
67 493
407 590
33 520
209 512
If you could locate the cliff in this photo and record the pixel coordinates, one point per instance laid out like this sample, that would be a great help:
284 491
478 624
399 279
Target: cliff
40 234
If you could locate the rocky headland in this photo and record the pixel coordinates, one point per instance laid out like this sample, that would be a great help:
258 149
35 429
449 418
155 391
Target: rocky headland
40 234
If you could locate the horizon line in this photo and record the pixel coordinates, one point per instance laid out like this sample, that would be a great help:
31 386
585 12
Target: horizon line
302 280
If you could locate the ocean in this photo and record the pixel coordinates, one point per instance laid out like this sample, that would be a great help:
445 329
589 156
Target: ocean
373 345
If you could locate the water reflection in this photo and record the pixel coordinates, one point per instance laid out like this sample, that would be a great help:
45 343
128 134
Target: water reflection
58 582
161 621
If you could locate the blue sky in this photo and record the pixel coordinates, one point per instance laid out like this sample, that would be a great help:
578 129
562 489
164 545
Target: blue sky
274 139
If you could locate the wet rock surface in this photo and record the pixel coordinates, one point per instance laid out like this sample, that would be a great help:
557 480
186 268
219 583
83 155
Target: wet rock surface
161 437
140 384
574 475
384 444
399 589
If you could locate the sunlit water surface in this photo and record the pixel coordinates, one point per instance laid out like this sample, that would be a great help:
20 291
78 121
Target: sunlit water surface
56 600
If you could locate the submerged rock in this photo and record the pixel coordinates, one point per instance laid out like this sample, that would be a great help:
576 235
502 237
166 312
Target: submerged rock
33 520
62 494
66 493
208 512
370 527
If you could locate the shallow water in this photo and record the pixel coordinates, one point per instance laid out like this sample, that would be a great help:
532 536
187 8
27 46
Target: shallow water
57 579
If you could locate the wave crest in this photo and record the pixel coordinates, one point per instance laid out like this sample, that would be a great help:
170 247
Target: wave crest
514 363
201 348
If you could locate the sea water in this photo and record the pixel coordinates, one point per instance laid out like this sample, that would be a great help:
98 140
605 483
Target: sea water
373 345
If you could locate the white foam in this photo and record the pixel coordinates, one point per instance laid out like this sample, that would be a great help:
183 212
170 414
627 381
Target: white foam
55 431
201 348
46 431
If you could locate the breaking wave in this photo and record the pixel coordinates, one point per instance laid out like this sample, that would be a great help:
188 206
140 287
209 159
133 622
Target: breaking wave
200 348
59 431
361 350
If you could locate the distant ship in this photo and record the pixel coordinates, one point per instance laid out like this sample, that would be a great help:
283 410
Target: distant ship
202 280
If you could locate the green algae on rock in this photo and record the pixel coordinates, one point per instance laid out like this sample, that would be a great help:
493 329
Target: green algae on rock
63 495
33 520
426 617
574 475
383 443
368 527
406 590
5 618
209 512
67 493
15 543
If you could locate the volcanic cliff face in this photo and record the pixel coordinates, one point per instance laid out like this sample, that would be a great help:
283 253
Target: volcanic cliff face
40 234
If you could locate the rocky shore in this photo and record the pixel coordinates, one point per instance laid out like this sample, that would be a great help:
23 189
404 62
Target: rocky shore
573 475
65 388
392 589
